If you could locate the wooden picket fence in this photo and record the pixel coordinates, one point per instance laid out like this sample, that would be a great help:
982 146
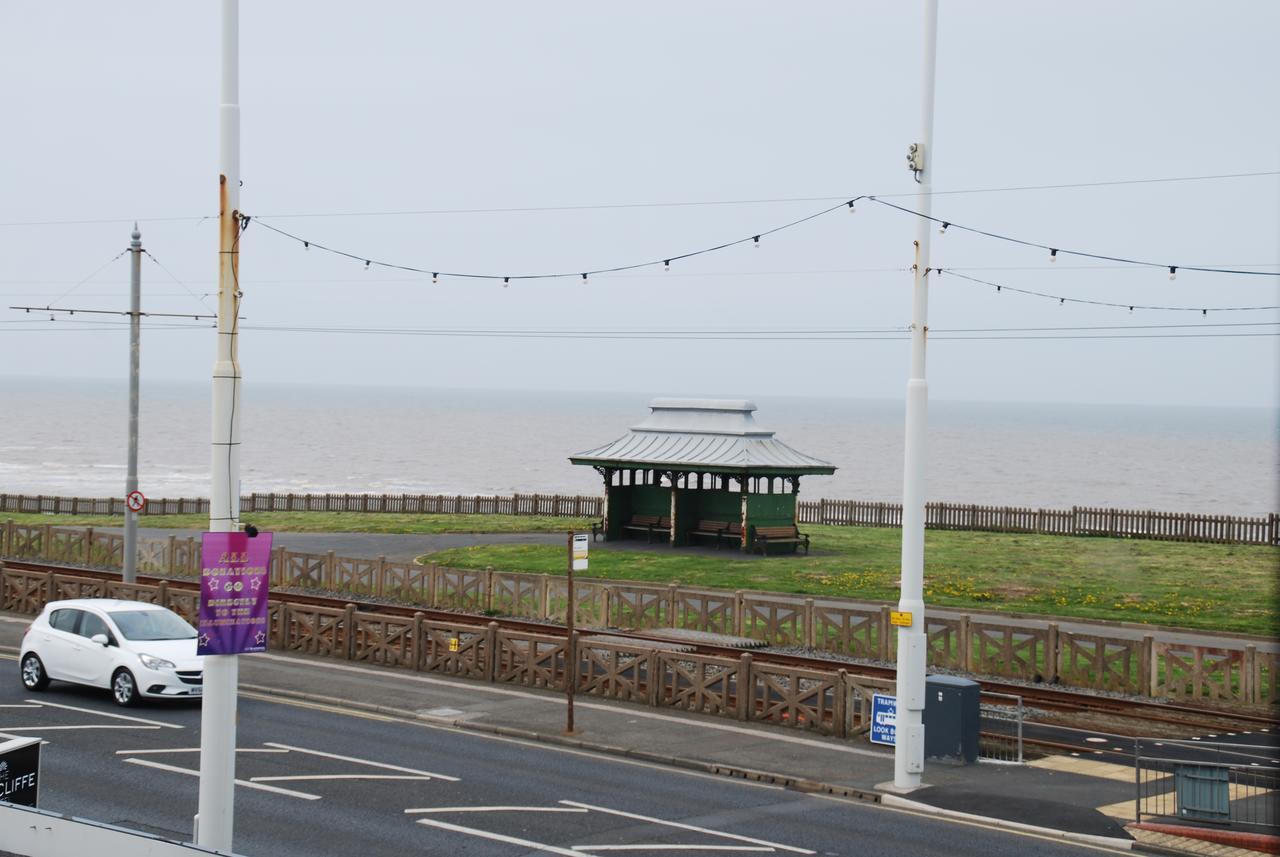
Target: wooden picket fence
1076 521
1153 664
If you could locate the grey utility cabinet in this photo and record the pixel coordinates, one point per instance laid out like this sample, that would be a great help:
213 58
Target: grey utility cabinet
951 717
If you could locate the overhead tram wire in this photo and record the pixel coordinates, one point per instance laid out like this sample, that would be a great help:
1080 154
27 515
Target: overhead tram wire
796 335
675 204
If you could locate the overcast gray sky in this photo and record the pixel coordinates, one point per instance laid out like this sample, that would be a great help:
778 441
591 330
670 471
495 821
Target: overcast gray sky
385 107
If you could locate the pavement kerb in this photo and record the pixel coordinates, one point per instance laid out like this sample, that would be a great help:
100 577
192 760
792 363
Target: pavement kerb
899 802
768 777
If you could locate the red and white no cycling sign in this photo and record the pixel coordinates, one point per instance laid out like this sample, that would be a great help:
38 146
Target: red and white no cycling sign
135 501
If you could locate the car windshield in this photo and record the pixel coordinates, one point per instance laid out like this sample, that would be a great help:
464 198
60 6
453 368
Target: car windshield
152 625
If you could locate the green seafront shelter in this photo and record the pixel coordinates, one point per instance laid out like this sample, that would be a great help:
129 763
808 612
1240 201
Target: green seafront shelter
695 460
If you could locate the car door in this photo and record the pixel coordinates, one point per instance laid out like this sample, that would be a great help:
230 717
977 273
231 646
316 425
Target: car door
59 644
93 661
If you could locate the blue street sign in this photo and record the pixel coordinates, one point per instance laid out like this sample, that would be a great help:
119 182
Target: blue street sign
884 719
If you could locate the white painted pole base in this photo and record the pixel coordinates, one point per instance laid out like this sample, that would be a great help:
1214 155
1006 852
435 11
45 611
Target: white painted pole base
217 753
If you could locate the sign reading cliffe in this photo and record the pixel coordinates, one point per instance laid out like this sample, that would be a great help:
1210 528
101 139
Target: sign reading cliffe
234 584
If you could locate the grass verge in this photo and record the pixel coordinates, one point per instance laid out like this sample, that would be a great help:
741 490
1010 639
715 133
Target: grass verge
1201 586
1191 585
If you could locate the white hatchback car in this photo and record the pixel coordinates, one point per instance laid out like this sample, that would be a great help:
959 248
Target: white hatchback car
133 648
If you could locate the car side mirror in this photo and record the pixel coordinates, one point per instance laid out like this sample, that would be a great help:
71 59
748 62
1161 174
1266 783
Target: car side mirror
100 639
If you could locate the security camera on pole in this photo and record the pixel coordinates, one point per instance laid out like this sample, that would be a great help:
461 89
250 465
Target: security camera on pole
908 752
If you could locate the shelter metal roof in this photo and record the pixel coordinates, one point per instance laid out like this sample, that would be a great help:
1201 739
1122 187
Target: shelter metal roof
703 434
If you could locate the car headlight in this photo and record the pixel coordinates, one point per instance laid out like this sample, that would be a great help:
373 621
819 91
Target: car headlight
151 662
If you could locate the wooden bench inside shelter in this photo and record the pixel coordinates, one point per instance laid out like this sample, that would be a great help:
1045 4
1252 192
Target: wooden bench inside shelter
649 525
765 536
730 531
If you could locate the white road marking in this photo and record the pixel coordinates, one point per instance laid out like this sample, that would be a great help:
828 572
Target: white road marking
105 714
383 765
86 726
476 687
341 777
692 827
19 705
673 848
496 809
498 837
174 769
191 750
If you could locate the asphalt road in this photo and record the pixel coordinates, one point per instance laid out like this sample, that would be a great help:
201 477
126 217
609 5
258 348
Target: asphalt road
320 781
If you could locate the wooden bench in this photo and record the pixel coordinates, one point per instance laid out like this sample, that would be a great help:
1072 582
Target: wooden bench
766 536
649 525
719 530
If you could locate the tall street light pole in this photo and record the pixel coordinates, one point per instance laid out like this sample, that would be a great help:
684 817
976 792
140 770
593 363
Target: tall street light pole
130 565
908 754
218 710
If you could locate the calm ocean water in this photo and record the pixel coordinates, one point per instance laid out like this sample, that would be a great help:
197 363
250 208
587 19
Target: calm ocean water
69 437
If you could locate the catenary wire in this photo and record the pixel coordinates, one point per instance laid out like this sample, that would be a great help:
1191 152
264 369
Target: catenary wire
625 205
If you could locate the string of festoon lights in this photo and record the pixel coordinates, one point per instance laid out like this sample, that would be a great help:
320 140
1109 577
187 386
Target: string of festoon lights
754 239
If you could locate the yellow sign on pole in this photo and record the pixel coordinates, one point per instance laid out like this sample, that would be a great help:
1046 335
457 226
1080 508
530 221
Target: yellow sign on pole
580 546
453 644
900 618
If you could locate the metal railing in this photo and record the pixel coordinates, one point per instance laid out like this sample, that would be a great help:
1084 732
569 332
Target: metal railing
1000 727
1231 785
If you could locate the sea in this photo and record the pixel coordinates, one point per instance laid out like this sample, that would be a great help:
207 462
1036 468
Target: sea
69 437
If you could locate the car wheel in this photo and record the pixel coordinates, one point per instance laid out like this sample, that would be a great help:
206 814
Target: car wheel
33 675
123 688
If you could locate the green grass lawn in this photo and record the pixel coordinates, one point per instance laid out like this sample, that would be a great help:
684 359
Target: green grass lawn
1210 587
1203 586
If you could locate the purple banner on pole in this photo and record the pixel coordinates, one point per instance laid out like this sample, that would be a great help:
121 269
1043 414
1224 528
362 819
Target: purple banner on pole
234 582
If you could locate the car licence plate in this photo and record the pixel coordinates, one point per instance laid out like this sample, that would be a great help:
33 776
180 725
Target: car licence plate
197 691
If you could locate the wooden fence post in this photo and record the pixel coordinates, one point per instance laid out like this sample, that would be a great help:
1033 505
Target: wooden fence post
162 593
1248 665
1051 654
745 687
491 652
349 625
1146 667
327 575
418 616
46 541
654 686
883 635
488 588
88 546
809 635
965 643
671 605
544 598
380 576
839 708
1153 678
738 620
